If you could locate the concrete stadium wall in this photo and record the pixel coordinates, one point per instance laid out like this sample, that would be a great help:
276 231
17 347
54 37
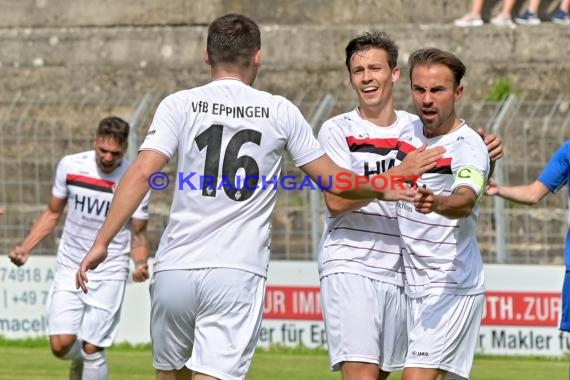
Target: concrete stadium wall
305 55
66 13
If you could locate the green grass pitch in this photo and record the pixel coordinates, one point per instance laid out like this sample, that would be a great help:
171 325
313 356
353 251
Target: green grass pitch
33 360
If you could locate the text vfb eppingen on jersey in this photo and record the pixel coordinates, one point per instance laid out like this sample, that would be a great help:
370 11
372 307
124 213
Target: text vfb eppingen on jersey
231 111
344 181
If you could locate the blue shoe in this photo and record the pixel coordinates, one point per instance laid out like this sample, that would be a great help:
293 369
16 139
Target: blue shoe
528 18
560 17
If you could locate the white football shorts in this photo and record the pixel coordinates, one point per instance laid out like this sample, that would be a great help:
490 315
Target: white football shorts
365 321
443 330
92 317
206 319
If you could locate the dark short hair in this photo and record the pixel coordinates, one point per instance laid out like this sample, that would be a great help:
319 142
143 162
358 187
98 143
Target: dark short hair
114 127
374 40
232 39
434 56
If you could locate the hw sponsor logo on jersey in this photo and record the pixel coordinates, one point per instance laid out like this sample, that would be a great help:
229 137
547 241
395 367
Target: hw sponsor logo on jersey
92 206
378 167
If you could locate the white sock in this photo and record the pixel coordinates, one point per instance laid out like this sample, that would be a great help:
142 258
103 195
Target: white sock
94 366
74 352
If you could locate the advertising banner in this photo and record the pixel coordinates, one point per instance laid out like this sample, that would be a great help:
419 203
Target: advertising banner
522 307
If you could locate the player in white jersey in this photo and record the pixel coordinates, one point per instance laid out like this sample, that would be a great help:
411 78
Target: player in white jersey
444 269
208 286
360 262
81 326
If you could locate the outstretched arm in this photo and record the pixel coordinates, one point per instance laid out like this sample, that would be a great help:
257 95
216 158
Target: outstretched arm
42 227
527 194
130 192
412 167
348 184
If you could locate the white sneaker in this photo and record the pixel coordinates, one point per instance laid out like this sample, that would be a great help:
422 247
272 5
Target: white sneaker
469 20
503 20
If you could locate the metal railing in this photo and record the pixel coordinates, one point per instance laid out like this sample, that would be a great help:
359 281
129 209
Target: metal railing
36 132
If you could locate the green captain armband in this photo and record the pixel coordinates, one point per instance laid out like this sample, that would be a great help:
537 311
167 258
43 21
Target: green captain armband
470 174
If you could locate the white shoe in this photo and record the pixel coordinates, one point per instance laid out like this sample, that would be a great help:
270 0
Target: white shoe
469 20
502 20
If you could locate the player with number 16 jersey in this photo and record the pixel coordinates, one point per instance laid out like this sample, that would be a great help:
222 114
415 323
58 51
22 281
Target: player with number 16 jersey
226 133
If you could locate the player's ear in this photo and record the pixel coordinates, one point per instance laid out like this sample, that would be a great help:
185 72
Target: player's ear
257 58
395 74
458 92
207 57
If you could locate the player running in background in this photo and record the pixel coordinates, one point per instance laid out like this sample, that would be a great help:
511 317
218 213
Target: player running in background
554 176
209 275
81 326
444 268
360 261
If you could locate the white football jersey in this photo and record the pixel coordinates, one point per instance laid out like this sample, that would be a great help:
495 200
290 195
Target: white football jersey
230 140
441 255
365 241
89 193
